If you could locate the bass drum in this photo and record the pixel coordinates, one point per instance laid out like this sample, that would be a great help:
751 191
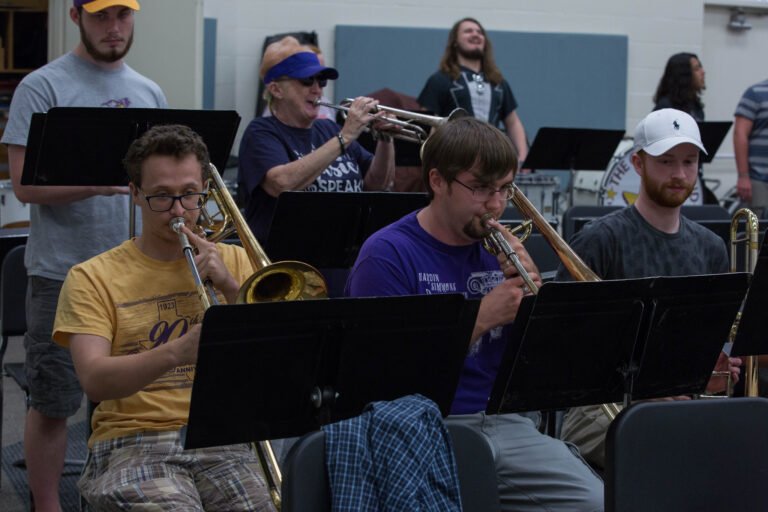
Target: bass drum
621 183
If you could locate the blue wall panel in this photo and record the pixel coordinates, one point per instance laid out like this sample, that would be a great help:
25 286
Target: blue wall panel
560 80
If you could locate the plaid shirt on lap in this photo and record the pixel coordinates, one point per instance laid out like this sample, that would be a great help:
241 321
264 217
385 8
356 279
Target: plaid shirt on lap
395 456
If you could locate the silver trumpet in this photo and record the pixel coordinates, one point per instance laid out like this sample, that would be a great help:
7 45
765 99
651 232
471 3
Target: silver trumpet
403 118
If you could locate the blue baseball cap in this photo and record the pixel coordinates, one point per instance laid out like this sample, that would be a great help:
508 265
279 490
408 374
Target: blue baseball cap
300 65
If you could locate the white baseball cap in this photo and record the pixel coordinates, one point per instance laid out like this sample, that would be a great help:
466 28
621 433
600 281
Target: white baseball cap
664 129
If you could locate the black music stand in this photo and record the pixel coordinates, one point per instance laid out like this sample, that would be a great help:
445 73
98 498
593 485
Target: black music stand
582 343
712 135
750 337
86 146
572 149
282 369
327 229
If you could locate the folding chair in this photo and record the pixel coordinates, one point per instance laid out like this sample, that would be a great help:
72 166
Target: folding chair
688 455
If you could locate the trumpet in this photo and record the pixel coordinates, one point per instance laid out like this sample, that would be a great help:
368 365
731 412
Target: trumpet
405 119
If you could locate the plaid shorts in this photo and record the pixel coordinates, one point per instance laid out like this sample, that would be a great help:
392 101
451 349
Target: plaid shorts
152 471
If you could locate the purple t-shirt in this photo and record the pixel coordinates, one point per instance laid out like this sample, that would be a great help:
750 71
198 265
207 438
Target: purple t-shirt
268 143
403 259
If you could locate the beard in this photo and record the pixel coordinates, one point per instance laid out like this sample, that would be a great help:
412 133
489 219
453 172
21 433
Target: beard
660 194
476 54
112 55
475 229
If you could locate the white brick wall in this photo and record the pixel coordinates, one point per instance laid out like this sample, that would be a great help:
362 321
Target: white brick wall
656 29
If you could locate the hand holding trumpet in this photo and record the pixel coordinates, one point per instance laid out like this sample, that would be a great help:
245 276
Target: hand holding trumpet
360 113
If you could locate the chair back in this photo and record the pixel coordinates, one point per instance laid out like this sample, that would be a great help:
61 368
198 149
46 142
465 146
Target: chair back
688 455
13 292
576 216
305 480
705 212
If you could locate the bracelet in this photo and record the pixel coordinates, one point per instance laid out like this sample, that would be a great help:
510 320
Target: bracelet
342 143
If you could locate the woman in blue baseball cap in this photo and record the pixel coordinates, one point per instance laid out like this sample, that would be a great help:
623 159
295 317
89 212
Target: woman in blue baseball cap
294 150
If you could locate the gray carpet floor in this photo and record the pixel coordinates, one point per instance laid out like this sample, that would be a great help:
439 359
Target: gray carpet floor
16 475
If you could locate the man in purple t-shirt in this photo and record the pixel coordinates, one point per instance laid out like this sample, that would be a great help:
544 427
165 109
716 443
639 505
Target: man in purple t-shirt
468 168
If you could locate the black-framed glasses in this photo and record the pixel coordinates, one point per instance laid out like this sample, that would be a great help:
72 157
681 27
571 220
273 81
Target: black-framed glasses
164 202
309 81
484 193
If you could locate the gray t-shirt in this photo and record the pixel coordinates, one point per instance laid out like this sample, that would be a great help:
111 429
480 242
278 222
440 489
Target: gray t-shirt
65 234
623 245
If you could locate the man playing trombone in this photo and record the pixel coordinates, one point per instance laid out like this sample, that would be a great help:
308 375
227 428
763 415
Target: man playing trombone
468 168
292 150
130 317
649 238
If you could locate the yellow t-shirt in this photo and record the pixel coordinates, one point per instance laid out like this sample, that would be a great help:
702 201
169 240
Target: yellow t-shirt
138 303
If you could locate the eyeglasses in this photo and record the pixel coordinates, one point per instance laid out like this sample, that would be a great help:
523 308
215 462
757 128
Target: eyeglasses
308 82
485 193
479 82
163 203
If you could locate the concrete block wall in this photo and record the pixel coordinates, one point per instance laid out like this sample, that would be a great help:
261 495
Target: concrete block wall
656 29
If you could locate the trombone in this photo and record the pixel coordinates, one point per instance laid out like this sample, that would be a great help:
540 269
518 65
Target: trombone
404 119
285 280
495 244
751 250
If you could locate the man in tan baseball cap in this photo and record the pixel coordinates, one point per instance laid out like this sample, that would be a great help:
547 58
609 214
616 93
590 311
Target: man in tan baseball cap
98 5
68 224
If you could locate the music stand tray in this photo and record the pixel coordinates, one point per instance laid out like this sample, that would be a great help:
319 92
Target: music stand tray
583 343
282 369
93 154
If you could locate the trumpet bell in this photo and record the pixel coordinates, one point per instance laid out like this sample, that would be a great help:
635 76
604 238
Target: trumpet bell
284 280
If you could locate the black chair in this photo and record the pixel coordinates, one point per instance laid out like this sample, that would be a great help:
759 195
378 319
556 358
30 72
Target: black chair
13 320
305 481
688 455
705 212
575 217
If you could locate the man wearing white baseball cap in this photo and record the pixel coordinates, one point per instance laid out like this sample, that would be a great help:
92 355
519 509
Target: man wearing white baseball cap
68 225
649 238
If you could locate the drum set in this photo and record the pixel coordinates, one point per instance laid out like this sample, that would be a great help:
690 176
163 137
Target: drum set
619 184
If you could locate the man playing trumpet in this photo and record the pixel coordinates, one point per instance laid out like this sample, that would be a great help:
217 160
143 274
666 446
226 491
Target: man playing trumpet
468 167
130 318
